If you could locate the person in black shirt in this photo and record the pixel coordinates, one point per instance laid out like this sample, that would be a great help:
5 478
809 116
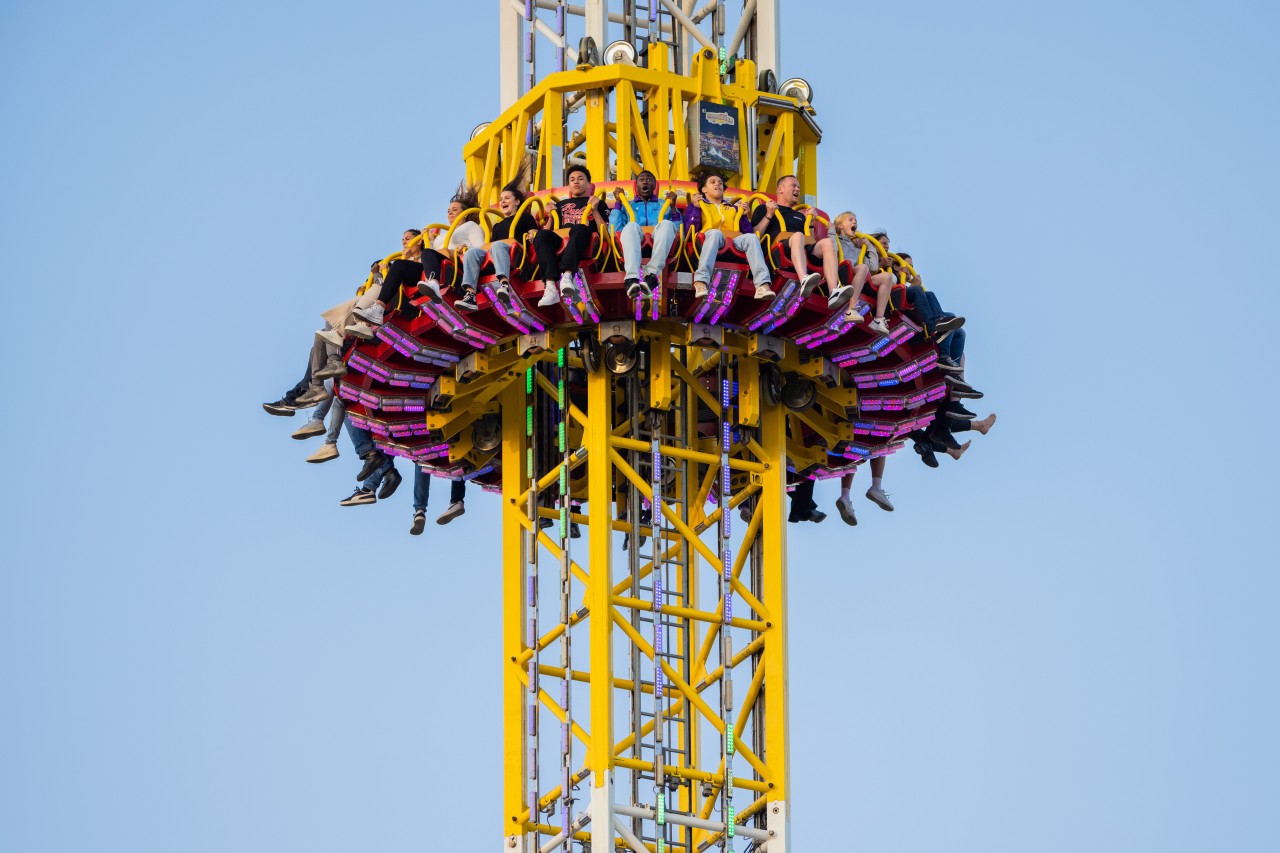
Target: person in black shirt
504 236
764 219
580 213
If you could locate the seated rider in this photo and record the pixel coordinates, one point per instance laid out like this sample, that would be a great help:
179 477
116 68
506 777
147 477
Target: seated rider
710 215
466 233
943 327
504 235
867 267
580 213
402 271
765 223
647 208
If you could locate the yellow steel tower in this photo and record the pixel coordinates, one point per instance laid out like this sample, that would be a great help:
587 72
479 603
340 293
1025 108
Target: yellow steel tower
645 663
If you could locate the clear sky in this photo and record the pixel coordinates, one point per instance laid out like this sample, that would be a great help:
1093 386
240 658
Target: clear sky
1065 642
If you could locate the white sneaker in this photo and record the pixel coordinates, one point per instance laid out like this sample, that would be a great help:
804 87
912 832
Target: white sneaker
363 331
839 297
851 314
330 336
809 284
879 325
325 453
550 296
431 289
845 507
373 314
568 289
879 498
309 429
699 289
764 291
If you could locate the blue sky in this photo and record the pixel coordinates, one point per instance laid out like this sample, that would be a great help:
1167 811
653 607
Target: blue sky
1067 641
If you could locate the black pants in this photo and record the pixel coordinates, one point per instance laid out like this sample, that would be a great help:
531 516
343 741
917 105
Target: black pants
802 502
401 274
546 244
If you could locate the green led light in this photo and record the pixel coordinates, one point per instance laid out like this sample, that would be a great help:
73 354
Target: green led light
564 441
528 420
728 739
564 398
662 808
529 456
662 845
564 521
528 381
729 824
564 480
560 357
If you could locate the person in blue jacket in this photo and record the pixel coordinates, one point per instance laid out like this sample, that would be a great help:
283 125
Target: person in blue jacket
648 213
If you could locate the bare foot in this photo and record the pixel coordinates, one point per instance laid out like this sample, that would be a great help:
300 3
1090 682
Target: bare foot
956 454
984 426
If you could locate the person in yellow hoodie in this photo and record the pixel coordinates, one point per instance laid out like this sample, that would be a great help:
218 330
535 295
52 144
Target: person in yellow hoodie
718 221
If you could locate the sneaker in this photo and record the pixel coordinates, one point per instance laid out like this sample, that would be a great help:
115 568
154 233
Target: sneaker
467 302
330 336
312 396
879 498
574 531
568 288
390 482
363 331
550 295
839 297
699 289
942 438
809 284
764 291
374 314
360 496
956 454
309 429
633 288
969 394
744 512
961 389
419 522
326 452
503 292
926 454
947 364
372 462
454 510
650 285
957 412
333 368
946 326
817 516
851 314
431 289
280 408
879 325
845 506
544 523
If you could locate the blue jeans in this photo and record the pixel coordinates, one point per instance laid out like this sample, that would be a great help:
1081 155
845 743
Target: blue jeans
362 440
499 253
422 489
953 346
664 234
331 404
925 307
748 244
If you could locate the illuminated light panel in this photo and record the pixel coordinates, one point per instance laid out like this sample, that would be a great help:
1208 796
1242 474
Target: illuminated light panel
378 400
449 321
411 347
902 402
512 318
903 373
727 296
713 292
389 375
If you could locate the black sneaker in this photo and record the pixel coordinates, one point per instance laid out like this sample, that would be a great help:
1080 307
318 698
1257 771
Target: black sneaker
966 393
574 531
956 411
947 364
926 454
283 408
360 496
946 326
419 522
633 288
817 516
651 285
467 302
390 482
957 384
372 462
544 523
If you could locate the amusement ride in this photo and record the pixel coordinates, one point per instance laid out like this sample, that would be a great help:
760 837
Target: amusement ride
644 666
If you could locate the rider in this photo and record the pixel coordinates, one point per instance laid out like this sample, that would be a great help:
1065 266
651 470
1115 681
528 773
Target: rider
648 213
580 213
717 220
